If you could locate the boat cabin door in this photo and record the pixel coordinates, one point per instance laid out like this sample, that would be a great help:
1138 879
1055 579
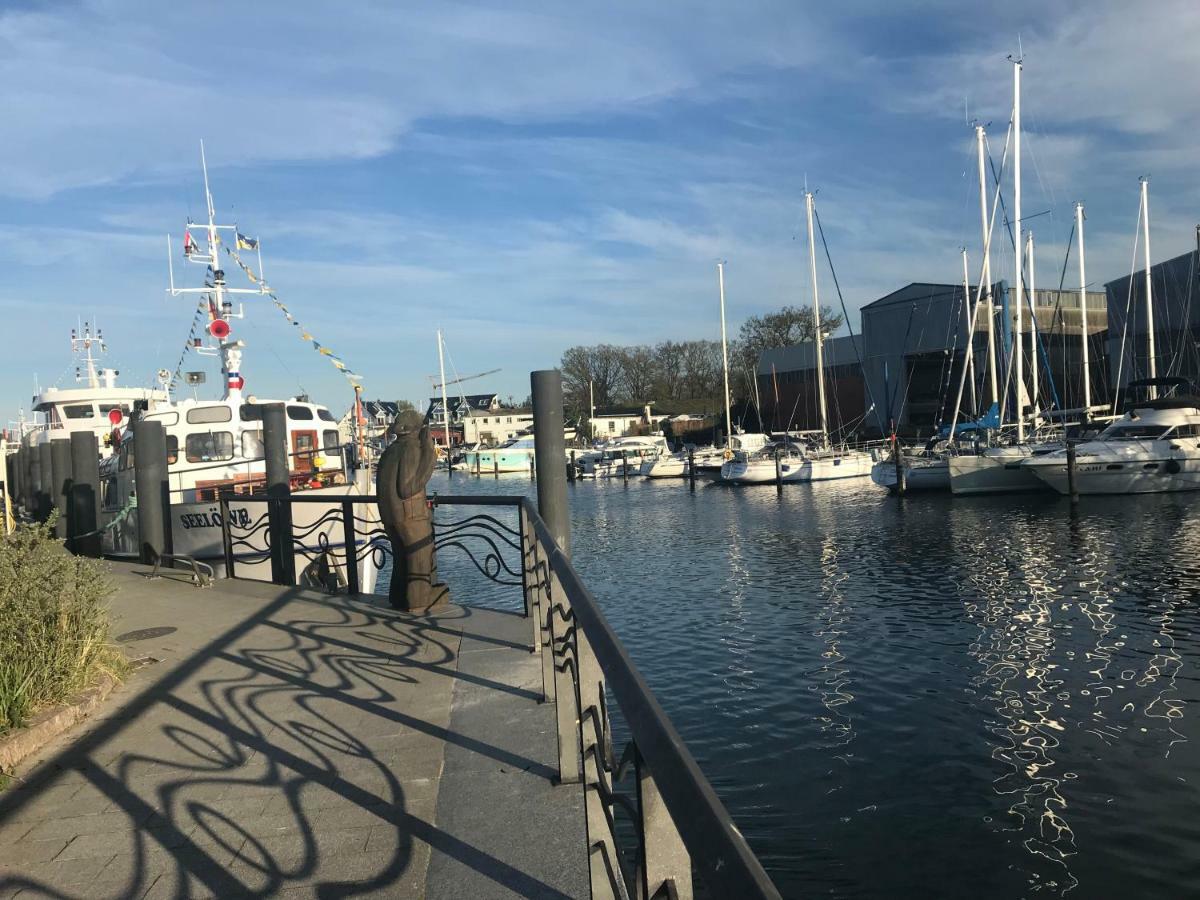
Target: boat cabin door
304 448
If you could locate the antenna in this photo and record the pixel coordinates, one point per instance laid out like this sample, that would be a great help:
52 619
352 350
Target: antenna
170 265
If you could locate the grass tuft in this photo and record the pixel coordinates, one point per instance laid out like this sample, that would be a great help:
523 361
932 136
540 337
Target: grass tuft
54 626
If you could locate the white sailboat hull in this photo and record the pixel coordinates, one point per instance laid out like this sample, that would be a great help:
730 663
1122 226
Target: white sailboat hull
762 471
919 474
852 464
991 474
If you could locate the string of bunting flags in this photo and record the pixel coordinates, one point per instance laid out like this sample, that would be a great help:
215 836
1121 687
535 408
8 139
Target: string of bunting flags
201 308
336 360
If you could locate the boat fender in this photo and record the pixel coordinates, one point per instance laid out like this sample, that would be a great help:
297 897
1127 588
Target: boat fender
1171 467
728 454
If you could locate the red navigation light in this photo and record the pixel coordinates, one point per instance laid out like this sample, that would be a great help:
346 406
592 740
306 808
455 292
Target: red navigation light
219 329
115 416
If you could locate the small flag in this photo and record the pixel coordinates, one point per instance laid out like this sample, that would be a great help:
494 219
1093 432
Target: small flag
189 244
245 243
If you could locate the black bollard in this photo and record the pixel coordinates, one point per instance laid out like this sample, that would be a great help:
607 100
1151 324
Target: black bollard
624 466
532 470
495 464
153 490
15 485
26 454
60 482
692 469
1072 490
279 492
478 460
46 481
778 473
84 501
550 450
898 459
572 471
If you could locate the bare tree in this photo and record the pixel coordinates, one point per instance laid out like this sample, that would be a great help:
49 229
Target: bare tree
599 366
639 373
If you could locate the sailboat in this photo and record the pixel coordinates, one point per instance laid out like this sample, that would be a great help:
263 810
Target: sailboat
999 469
823 461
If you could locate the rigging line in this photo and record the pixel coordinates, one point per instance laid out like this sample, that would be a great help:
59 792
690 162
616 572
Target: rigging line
845 313
1125 325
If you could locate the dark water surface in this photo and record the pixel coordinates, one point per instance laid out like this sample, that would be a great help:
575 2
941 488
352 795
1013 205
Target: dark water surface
933 697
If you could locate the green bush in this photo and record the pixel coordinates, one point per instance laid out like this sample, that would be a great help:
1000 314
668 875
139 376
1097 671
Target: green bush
54 628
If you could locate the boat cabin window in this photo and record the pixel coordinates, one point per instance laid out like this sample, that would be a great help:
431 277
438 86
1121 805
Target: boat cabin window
252 445
250 412
325 415
299 412
329 439
79 411
172 449
205 415
1187 431
212 446
168 419
1130 432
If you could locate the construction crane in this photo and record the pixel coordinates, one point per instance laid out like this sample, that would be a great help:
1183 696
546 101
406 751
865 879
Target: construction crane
438 384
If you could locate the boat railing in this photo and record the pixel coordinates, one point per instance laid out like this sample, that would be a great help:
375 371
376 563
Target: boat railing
654 824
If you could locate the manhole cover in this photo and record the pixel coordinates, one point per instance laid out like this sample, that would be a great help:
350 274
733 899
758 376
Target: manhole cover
144 634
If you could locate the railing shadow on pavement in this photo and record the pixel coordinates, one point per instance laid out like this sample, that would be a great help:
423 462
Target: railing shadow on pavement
228 774
649 840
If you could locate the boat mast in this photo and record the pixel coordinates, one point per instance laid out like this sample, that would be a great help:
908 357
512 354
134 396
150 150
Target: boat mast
1018 254
445 404
591 409
1152 365
817 337
969 354
231 350
725 356
987 268
1083 317
1034 357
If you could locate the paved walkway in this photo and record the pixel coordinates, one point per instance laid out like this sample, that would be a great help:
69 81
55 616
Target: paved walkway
288 743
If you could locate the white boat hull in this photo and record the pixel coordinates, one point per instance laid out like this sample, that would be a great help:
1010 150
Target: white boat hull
985 474
762 471
919 474
838 466
1163 475
665 467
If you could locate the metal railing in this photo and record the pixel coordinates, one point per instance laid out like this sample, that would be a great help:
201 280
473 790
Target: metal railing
678 825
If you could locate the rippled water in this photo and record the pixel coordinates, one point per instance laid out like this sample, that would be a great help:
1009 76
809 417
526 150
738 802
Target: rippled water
984 696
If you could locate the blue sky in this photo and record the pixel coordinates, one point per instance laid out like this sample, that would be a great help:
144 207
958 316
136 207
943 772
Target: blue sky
532 176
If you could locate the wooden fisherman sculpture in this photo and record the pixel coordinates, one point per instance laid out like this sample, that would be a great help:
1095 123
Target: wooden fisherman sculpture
404 470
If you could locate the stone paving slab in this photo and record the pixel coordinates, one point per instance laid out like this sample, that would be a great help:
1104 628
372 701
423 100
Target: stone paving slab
286 743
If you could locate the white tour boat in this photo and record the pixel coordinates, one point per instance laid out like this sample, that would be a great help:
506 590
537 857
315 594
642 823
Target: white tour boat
215 447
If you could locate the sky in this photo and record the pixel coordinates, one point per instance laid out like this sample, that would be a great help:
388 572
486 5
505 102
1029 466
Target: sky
531 176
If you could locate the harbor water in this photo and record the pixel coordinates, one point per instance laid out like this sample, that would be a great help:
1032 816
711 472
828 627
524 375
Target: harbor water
987 697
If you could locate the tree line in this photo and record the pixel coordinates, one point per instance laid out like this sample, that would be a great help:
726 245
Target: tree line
683 370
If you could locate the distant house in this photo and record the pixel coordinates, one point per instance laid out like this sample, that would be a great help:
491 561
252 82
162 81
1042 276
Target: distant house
615 421
378 416
464 413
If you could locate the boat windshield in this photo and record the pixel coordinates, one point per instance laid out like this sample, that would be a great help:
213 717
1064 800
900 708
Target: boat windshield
1129 432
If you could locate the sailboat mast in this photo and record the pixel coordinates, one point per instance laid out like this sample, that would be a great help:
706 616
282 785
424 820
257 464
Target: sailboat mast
1018 255
725 356
817 337
1083 317
969 353
591 409
987 268
1034 357
1152 365
445 404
